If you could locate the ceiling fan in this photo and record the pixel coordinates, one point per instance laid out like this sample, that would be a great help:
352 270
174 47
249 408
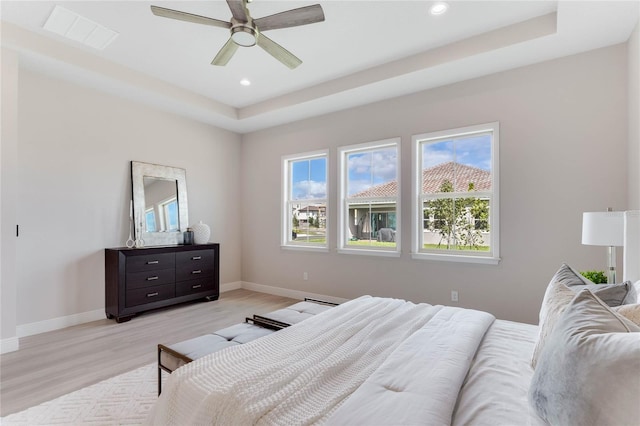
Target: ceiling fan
247 32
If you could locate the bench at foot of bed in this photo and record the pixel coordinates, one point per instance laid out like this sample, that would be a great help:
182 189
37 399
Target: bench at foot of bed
171 357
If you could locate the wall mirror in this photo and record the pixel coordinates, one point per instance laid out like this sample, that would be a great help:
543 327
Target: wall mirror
160 208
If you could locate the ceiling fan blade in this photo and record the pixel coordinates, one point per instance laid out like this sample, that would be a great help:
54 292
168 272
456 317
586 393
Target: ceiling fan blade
225 54
278 52
291 18
188 17
238 10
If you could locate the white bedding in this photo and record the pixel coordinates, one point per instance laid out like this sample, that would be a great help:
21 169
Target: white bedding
303 374
495 390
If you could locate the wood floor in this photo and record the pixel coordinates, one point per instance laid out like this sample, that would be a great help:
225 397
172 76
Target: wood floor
52 364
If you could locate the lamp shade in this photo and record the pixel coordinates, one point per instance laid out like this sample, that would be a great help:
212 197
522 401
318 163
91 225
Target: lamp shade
603 228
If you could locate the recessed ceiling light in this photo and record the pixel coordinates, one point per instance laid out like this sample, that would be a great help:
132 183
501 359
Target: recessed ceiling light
439 8
245 82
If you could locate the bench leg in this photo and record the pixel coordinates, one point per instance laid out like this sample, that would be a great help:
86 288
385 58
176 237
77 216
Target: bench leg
159 373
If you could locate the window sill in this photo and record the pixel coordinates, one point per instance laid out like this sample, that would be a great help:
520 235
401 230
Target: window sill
305 248
456 258
364 252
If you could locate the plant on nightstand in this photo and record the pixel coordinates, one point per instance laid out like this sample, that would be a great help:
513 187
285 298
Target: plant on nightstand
597 277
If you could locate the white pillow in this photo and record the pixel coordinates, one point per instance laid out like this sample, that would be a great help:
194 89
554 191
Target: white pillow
633 295
564 285
630 312
587 373
556 298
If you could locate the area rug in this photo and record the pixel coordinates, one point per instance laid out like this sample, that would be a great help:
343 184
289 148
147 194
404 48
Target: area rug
121 400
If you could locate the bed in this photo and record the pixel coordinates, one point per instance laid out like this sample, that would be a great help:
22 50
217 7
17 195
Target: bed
385 361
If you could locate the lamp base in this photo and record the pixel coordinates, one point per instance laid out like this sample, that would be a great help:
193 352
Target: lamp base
611 272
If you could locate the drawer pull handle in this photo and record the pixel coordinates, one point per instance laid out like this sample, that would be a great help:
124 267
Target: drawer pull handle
152 278
152 262
152 294
196 286
197 271
196 258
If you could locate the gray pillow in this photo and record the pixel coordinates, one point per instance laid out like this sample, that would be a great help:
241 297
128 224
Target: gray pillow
611 294
587 373
562 288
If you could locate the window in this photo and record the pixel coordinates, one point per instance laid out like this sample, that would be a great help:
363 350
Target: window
304 214
455 205
150 218
170 214
166 218
369 192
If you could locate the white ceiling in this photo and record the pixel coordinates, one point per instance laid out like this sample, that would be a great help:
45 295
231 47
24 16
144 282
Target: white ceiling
363 52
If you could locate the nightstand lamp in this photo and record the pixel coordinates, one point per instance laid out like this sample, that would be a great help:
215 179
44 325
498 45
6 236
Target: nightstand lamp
604 229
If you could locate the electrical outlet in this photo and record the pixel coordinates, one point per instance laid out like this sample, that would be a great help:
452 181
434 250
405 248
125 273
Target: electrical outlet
454 295
305 276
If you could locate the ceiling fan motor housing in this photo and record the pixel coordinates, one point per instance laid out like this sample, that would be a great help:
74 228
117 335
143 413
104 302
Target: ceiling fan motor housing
244 34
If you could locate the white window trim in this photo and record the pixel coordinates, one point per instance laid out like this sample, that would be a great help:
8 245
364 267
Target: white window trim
367 251
416 208
284 226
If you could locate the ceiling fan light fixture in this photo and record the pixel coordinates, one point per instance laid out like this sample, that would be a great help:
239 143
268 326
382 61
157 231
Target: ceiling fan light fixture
244 36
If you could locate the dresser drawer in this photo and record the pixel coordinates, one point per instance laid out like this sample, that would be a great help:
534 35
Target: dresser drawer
145 295
150 278
194 264
195 258
150 262
193 286
193 272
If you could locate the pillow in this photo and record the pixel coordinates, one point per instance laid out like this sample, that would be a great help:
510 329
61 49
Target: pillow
630 312
556 298
559 294
614 295
587 373
633 296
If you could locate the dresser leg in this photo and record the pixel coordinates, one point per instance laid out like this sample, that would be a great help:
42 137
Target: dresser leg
211 298
123 319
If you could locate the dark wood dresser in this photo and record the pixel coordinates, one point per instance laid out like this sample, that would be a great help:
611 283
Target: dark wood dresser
137 280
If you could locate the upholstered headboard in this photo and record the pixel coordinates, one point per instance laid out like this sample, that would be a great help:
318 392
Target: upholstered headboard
631 261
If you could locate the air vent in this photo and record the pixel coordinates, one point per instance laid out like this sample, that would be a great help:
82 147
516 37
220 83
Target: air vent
69 24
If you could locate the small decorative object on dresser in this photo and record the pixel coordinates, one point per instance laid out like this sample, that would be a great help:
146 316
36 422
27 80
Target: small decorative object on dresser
201 233
138 280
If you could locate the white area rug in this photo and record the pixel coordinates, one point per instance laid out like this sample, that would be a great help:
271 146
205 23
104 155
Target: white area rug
121 400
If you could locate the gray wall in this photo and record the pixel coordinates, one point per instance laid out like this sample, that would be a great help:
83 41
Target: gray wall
8 200
633 64
569 132
74 187
563 150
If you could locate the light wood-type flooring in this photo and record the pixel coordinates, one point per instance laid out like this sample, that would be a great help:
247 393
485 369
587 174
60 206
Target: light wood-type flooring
52 364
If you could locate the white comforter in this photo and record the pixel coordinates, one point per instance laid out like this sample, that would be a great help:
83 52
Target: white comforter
370 360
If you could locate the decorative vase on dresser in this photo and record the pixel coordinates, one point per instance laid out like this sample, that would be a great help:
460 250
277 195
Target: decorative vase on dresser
138 280
201 233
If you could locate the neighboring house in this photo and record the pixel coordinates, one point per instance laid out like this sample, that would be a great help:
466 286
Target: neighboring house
305 213
366 219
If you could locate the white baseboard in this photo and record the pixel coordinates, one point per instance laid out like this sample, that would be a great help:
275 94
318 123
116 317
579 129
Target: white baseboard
293 294
230 286
58 323
24 330
11 344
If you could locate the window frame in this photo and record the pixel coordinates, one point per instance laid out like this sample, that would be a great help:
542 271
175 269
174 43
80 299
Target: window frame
343 153
285 219
418 252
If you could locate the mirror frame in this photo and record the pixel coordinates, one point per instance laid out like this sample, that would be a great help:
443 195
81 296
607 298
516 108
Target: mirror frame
141 170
